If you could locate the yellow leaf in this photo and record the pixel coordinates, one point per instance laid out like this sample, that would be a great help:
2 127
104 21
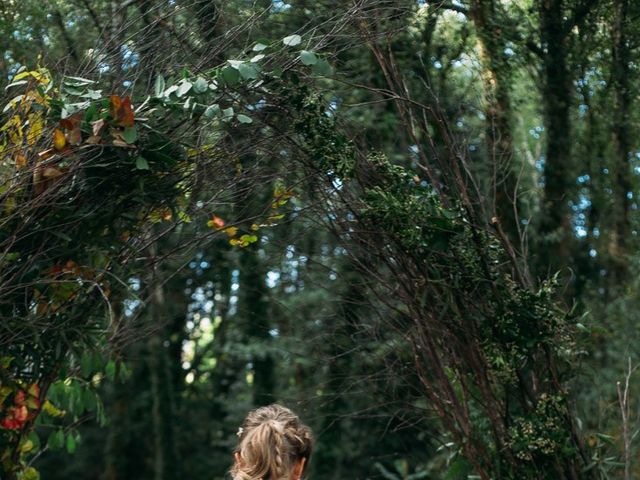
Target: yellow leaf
52 410
36 126
231 231
26 446
58 139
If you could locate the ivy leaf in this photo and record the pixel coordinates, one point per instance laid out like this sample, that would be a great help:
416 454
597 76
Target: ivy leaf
321 67
308 58
248 71
230 75
292 40
159 86
141 164
227 114
244 119
184 88
258 47
130 135
212 111
200 86
170 90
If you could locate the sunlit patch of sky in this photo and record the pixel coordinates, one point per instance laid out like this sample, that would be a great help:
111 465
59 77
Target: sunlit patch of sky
333 107
233 300
583 179
536 131
273 278
130 58
579 218
279 6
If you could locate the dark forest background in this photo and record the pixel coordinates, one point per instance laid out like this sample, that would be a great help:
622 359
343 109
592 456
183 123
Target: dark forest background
540 97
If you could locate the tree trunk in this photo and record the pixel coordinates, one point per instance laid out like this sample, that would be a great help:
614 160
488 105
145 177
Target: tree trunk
253 309
496 79
621 231
165 459
555 226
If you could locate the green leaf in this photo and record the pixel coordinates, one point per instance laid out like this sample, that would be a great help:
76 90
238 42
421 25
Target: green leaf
55 440
124 372
248 71
184 88
212 111
257 58
292 40
141 164
71 443
170 90
258 47
30 473
321 67
244 119
86 364
227 114
35 439
200 86
308 58
130 135
89 400
248 239
78 81
92 94
91 113
110 369
230 75
159 86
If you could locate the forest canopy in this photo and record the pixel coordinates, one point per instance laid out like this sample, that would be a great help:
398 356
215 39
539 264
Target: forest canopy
413 222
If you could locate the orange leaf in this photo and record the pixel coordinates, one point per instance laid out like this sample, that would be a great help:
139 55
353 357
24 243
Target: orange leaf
121 111
58 139
21 161
216 222
72 124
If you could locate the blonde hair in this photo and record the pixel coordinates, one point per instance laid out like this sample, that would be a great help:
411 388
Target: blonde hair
272 441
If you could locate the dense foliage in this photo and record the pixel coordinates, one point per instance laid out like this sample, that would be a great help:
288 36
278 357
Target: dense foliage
413 222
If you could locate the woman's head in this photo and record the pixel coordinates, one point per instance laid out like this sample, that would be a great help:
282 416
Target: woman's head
274 445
